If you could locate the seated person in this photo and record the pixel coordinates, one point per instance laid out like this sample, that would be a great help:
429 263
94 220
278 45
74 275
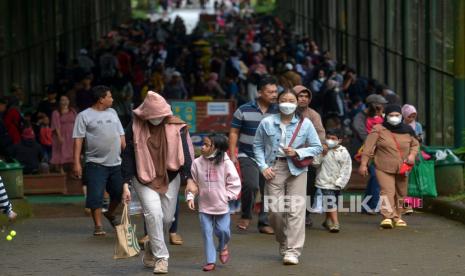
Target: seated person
28 152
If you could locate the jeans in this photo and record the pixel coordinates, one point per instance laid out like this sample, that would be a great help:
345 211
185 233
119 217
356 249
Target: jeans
218 224
159 212
372 189
100 178
252 181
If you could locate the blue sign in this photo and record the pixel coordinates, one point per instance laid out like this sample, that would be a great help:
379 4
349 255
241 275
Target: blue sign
186 111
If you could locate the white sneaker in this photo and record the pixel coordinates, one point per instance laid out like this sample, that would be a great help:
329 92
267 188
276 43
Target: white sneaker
161 266
290 260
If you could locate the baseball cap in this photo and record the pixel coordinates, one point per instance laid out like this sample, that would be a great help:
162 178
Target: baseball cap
375 98
300 88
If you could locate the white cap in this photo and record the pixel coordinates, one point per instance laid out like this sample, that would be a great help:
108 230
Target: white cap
289 66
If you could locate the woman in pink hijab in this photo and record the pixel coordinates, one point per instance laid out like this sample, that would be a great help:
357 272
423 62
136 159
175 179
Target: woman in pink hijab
409 113
157 158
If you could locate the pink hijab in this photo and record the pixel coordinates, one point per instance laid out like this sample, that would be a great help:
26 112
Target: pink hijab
408 110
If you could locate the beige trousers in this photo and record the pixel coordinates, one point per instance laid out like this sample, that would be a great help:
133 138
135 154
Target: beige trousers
393 190
285 196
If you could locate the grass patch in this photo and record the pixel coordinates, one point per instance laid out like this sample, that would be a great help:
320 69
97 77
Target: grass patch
264 6
459 197
139 14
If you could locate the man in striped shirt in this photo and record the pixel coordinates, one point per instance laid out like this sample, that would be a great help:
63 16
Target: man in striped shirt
243 127
5 204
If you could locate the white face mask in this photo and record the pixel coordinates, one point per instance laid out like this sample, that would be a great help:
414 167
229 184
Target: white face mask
336 89
394 120
287 108
331 143
156 121
321 79
212 155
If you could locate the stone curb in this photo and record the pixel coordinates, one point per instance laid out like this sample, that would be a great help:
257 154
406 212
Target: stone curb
450 209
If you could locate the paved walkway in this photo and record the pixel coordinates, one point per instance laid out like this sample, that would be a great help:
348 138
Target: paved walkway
59 242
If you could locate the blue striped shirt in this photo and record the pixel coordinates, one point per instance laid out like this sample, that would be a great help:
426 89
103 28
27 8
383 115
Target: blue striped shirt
247 118
5 204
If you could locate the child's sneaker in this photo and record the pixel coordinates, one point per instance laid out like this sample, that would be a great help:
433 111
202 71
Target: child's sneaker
12 215
334 228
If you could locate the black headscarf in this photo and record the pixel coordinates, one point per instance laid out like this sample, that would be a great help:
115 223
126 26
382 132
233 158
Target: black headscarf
401 128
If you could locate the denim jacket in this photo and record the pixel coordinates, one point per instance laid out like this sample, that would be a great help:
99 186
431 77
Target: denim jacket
267 141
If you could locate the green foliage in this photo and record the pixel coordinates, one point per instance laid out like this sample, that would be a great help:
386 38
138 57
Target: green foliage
460 152
264 6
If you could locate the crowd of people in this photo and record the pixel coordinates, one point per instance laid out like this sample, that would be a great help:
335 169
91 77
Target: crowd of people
301 119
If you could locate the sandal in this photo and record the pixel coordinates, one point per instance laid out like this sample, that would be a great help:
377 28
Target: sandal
175 239
224 255
386 224
98 231
208 267
111 219
400 223
243 224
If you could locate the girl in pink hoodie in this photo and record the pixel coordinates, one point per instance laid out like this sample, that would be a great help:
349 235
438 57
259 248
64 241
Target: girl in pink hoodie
218 183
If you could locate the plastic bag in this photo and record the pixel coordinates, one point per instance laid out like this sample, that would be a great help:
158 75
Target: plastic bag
134 207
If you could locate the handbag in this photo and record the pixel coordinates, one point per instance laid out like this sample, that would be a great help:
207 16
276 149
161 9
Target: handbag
405 168
126 240
422 180
299 163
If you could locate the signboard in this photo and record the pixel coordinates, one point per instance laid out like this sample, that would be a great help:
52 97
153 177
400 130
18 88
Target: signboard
187 112
215 116
218 108
205 116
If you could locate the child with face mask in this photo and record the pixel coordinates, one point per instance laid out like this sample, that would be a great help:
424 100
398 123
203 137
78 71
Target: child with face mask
218 183
334 168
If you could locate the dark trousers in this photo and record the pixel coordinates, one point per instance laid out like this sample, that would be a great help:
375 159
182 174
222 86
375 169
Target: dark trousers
174 225
311 189
373 189
252 181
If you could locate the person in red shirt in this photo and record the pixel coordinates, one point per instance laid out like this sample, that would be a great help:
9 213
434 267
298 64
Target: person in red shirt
13 119
45 137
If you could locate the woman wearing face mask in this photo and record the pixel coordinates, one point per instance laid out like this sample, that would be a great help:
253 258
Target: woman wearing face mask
390 144
283 179
158 156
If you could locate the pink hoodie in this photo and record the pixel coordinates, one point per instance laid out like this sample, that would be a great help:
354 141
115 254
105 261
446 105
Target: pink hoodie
155 106
218 184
